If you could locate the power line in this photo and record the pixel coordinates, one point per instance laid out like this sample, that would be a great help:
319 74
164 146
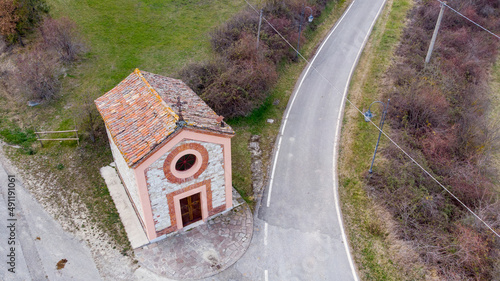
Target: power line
462 15
432 177
277 32
361 112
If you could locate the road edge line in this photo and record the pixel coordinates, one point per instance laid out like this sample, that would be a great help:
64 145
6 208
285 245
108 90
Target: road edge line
294 95
336 143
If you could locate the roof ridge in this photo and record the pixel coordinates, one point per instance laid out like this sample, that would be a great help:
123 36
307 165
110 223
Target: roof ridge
153 91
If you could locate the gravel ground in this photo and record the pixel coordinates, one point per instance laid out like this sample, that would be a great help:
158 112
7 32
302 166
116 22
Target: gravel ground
112 265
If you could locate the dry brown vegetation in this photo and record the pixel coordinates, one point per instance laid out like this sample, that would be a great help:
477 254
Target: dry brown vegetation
40 65
8 18
20 17
61 36
237 81
36 76
439 115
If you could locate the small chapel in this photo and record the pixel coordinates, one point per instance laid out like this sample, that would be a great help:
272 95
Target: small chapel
171 151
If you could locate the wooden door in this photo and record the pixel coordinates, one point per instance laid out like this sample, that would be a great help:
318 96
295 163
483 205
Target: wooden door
190 209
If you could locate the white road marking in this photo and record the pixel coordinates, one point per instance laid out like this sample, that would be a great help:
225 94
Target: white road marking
337 136
265 234
266 277
292 102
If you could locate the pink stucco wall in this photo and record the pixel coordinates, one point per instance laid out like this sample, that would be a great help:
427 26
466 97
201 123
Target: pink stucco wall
184 134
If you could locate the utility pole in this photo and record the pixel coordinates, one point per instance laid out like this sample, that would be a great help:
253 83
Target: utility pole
258 32
309 19
434 35
300 30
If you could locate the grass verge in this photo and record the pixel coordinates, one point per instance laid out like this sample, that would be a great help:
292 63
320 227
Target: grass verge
379 255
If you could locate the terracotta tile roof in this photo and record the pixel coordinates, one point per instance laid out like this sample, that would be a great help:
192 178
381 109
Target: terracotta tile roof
141 112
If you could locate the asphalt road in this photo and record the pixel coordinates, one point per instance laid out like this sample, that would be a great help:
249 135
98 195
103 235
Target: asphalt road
38 241
299 235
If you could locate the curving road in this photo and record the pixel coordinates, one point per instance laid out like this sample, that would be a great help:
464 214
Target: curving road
303 193
299 233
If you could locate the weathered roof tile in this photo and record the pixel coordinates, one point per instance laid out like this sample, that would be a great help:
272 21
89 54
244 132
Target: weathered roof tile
141 112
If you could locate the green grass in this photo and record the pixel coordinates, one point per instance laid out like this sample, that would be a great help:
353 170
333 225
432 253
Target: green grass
17 136
158 36
14 135
375 250
155 36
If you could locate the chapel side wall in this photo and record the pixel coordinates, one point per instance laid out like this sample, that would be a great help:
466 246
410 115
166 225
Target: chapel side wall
127 175
159 187
228 173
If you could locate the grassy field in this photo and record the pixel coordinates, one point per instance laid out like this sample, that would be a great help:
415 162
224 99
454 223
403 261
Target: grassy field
378 255
156 36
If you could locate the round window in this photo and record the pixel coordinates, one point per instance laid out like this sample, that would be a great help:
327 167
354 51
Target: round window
185 163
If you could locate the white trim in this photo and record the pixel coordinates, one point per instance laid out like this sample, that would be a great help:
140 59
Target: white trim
335 148
189 172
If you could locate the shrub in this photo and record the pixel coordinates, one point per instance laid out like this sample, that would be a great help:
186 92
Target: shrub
472 253
225 36
3 45
278 48
61 36
245 49
8 18
36 77
17 17
198 76
240 89
419 108
89 119
37 72
237 80
439 116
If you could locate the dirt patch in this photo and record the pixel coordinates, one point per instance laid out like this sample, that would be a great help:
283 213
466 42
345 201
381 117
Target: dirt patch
61 264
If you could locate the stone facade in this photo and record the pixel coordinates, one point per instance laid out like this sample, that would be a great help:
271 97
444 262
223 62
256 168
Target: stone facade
162 186
169 147
127 176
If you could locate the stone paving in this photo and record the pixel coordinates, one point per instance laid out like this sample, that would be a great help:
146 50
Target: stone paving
202 251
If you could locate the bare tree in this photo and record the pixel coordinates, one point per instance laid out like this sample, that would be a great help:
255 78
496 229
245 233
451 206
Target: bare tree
36 77
89 119
61 36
